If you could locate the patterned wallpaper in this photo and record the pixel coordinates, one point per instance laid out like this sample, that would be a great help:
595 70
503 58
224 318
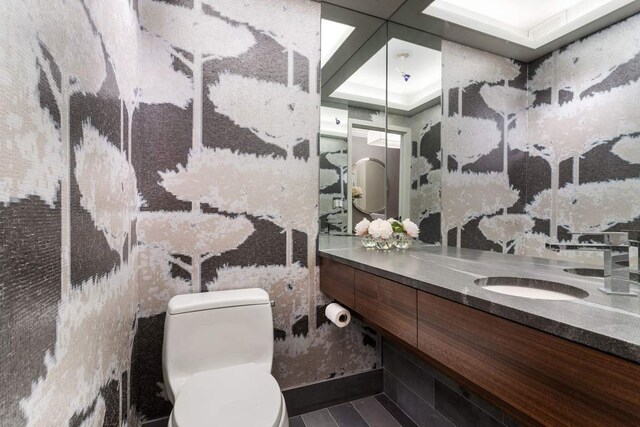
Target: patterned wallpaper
536 151
145 159
333 183
232 191
426 174
68 204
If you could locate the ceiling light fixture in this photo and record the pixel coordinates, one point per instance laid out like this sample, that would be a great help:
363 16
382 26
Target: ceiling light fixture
403 56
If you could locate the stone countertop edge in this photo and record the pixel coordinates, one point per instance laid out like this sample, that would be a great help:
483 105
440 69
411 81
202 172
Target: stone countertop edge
597 340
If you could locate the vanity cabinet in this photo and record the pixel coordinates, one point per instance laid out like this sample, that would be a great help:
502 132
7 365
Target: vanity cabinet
544 379
387 304
337 281
537 377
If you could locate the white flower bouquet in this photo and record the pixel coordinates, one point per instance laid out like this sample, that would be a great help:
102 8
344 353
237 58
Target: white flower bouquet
386 234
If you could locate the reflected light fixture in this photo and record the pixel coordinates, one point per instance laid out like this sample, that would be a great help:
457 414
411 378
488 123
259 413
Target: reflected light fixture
376 138
403 56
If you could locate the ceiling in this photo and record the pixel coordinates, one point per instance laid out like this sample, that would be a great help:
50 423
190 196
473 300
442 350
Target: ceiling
520 29
528 23
518 14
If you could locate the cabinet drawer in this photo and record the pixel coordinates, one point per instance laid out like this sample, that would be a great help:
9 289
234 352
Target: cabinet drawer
336 280
546 380
387 304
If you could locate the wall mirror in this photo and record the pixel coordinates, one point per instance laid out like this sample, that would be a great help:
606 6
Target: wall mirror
414 87
380 113
352 88
368 192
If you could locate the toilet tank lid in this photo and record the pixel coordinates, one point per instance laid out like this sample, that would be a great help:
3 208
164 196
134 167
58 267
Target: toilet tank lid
217 299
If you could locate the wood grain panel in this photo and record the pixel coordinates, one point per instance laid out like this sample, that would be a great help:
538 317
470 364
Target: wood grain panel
336 280
543 379
387 304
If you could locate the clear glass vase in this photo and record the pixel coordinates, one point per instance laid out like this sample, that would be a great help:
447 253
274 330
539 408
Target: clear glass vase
384 244
401 241
368 241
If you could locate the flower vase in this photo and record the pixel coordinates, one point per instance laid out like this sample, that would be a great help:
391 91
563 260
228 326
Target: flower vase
384 244
401 241
368 241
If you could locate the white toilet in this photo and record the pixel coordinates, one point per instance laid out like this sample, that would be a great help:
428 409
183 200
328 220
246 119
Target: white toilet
216 359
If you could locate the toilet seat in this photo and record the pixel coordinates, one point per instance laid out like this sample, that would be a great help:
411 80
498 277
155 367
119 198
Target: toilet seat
239 396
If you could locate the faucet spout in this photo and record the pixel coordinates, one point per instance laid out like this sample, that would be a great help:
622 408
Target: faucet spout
615 248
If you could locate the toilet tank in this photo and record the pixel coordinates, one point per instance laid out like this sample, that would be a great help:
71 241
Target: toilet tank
212 330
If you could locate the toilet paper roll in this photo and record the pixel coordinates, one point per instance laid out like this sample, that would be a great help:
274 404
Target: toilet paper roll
338 314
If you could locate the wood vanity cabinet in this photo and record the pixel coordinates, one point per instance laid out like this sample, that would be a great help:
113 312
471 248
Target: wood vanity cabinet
336 280
387 304
537 377
544 379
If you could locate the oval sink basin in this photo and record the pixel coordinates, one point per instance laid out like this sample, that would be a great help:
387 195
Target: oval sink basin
531 288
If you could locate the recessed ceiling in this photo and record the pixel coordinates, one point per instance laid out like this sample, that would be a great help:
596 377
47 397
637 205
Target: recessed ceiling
333 34
368 83
525 22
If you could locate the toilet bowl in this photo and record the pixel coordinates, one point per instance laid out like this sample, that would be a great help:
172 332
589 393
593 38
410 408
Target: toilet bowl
217 353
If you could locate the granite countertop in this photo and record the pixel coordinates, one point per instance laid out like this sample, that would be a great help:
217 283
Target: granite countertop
609 323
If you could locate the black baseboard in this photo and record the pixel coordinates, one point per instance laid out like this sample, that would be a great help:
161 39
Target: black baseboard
324 394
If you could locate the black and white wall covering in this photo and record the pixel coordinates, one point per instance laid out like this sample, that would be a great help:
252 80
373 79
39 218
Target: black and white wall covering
426 179
333 183
154 148
537 151
232 198
68 204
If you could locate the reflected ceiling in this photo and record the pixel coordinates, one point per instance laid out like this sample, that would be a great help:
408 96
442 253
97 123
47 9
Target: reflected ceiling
368 84
333 34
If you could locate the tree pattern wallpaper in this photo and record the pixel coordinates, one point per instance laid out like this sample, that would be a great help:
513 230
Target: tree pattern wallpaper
333 181
68 204
537 151
145 158
426 176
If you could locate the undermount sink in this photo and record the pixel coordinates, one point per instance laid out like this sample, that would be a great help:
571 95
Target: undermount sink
531 288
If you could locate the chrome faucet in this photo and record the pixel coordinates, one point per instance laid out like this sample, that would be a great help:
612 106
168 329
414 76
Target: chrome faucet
617 256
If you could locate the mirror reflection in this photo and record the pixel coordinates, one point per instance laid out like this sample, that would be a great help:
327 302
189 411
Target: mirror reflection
380 124
368 191
414 87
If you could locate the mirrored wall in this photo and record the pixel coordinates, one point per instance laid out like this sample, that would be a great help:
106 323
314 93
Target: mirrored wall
380 123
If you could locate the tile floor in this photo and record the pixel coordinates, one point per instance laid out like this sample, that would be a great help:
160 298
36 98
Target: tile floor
373 411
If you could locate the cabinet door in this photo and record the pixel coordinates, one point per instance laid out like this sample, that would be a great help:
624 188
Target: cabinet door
387 304
336 280
542 379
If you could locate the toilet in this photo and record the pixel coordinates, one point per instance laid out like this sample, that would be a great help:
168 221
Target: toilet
216 361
